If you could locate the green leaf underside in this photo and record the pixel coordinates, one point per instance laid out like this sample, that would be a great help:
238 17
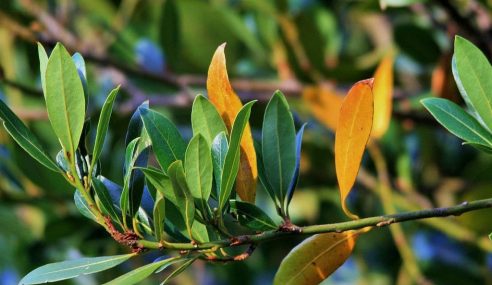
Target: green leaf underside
231 163
205 119
251 216
106 201
199 170
23 136
219 151
139 274
43 63
278 145
457 121
167 143
183 195
65 100
159 217
72 268
129 161
82 206
473 74
102 125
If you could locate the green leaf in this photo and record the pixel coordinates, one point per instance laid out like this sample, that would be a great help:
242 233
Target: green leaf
21 134
231 163
179 270
473 74
167 143
106 201
184 199
72 268
83 207
65 99
159 217
135 125
279 145
315 259
262 175
139 274
490 236
480 147
43 63
457 121
199 171
295 177
219 152
79 62
249 215
205 119
129 161
102 126
200 232
174 210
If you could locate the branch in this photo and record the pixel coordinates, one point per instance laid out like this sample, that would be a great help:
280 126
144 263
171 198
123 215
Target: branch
379 221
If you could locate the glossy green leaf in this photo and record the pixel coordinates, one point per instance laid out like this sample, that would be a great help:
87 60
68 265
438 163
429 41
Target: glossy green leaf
473 74
21 134
295 176
480 147
231 163
219 152
249 215
135 125
199 171
184 199
65 99
315 259
262 175
43 63
457 121
167 143
106 201
72 268
129 161
490 236
102 125
279 145
159 217
139 274
205 119
83 207
179 270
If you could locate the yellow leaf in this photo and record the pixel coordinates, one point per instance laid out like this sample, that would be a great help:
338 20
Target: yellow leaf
383 97
354 128
324 103
226 101
316 258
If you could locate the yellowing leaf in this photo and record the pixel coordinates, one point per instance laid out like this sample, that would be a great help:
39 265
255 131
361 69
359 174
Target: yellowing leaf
383 95
354 128
228 104
324 103
316 258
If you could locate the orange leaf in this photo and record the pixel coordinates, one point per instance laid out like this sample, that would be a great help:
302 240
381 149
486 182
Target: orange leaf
324 103
316 258
228 104
383 95
354 128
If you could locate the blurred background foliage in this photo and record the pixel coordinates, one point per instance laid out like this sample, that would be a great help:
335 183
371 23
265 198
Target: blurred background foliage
313 51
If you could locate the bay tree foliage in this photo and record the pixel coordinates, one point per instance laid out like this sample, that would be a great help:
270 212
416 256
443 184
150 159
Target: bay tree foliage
196 199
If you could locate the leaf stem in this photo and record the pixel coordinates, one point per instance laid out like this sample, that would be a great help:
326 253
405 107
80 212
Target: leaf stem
377 221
